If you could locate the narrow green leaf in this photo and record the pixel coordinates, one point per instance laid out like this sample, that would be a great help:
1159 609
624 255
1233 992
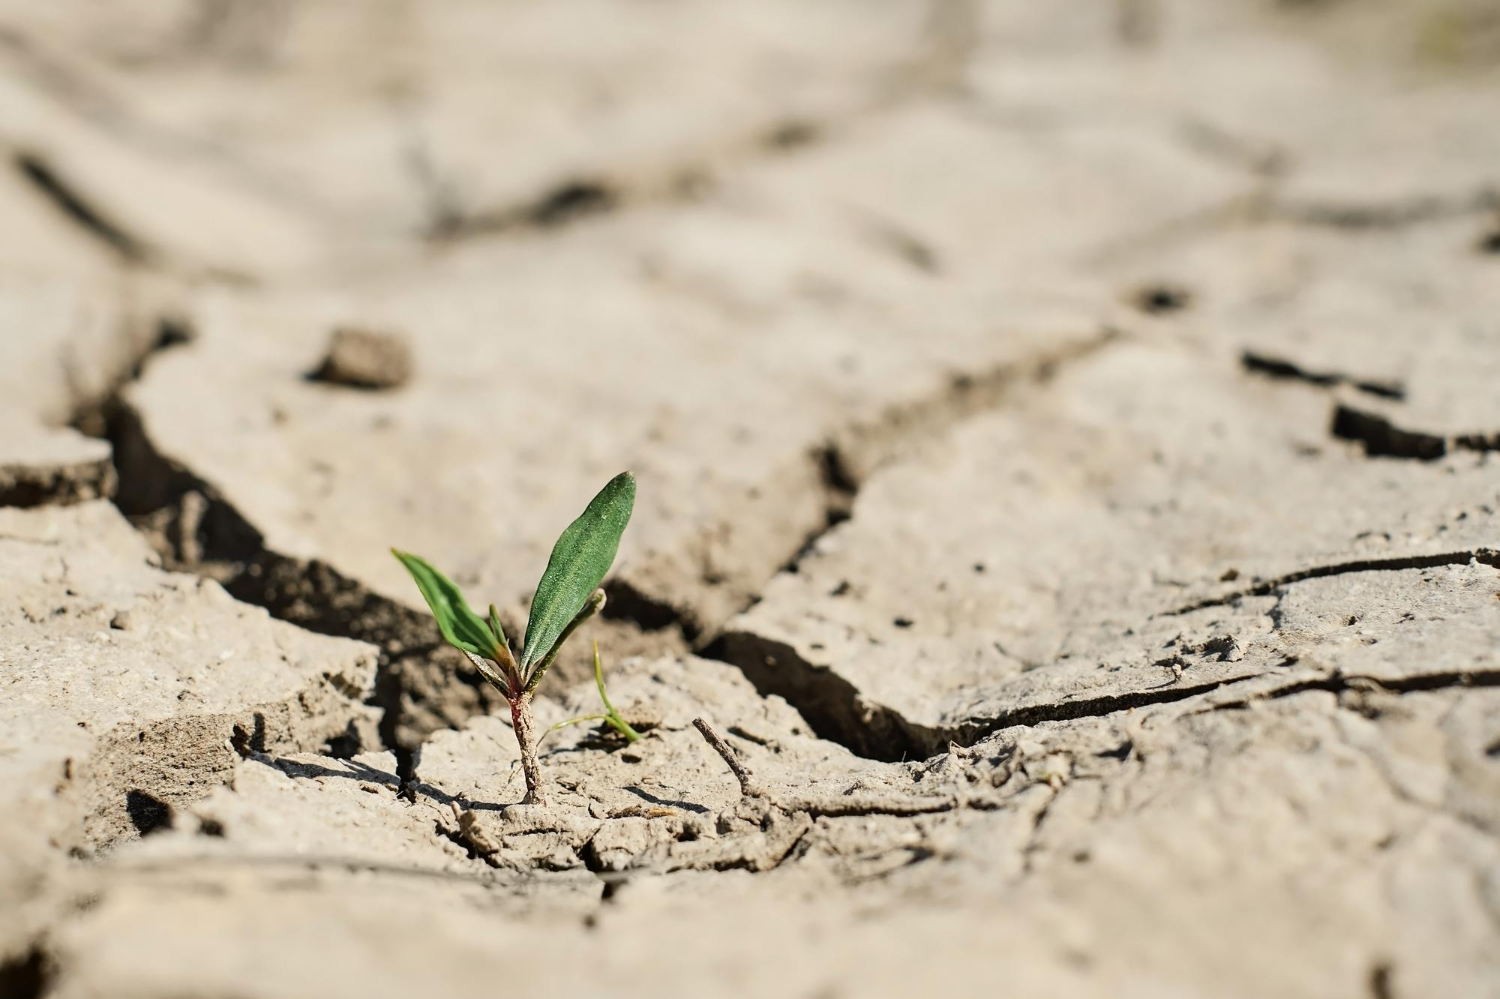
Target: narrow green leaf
581 557
461 627
495 628
610 714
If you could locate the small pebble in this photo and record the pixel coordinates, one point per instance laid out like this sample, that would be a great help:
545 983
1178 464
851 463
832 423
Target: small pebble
367 359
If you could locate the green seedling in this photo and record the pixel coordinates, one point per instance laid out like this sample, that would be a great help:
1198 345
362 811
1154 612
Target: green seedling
567 595
610 717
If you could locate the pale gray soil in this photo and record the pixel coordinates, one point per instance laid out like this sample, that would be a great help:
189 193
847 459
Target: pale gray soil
1067 444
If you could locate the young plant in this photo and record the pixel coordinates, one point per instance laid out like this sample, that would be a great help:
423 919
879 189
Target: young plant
610 716
567 595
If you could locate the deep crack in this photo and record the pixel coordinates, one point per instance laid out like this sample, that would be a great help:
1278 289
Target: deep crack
28 975
831 705
1381 438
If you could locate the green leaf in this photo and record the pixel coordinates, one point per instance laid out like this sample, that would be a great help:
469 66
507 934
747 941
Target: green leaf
495 628
581 557
594 605
610 714
461 627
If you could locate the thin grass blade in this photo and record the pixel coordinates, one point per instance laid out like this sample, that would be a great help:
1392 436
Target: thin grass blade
496 629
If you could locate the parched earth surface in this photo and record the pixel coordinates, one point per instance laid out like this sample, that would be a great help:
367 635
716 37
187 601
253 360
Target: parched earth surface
1068 445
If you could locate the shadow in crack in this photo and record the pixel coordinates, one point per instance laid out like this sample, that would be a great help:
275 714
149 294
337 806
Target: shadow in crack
687 806
354 770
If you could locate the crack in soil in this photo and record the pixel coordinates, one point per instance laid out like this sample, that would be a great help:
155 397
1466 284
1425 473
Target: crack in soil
196 529
1383 439
1281 368
1395 563
55 484
861 449
199 531
578 198
28 975
81 209
76 92
833 708
848 460
1264 205
308 862
1384 215
838 710
1353 682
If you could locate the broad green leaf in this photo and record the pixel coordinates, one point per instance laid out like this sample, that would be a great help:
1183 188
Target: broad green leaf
592 606
581 557
461 627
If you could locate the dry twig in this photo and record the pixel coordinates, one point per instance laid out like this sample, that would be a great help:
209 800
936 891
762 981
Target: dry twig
748 787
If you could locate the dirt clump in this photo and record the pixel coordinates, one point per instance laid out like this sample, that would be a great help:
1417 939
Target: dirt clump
366 359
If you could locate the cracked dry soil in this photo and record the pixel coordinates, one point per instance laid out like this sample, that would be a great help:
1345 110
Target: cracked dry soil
1068 482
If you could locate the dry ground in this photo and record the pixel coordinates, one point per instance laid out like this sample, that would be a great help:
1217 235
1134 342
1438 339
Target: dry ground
1066 437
